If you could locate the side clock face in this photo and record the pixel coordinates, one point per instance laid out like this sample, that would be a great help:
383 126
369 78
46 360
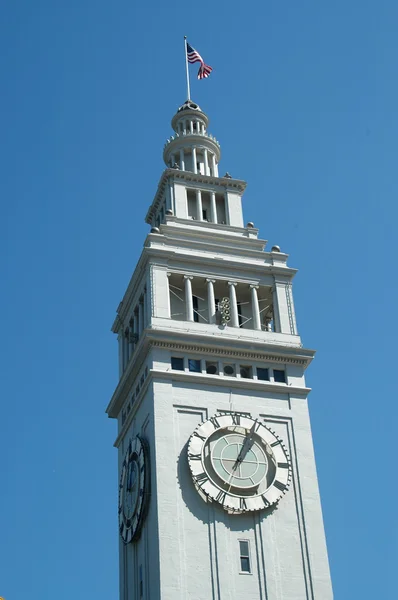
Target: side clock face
238 462
133 490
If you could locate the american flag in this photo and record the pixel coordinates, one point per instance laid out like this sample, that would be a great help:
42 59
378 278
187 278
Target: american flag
193 57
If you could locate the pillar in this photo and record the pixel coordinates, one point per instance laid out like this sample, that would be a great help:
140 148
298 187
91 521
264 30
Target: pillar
234 304
182 161
188 298
136 324
206 161
194 160
199 206
211 303
255 308
213 165
131 337
120 342
140 317
213 207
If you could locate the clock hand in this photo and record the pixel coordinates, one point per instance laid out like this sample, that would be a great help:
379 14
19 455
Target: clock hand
235 466
247 444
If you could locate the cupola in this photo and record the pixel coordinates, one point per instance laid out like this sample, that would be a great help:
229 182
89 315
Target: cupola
191 148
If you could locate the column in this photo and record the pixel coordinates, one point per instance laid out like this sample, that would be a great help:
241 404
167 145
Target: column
144 309
131 337
120 342
182 161
194 159
211 303
277 321
199 206
191 126
140 318
172 159
255 308
213 207
234 304
213 165
206 161
125 348
136 325
188 298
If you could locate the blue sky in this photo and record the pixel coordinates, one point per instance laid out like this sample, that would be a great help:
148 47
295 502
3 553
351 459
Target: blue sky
303 99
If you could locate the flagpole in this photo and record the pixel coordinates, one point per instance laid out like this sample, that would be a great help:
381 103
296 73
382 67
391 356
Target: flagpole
187 70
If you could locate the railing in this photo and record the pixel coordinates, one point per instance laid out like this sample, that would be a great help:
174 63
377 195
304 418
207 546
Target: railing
187 134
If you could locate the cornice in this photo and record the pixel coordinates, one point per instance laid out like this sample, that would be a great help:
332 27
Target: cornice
286 273
229 353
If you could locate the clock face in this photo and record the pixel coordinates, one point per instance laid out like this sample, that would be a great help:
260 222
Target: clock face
238 462
133 490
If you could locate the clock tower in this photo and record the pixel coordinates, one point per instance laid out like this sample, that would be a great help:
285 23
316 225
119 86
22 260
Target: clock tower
218 492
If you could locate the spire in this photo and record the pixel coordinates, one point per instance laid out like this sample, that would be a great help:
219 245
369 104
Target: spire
192 148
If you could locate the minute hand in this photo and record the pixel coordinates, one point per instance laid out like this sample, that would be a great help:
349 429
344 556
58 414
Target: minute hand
247 444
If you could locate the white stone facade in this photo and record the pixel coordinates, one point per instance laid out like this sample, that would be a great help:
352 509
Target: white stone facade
189 549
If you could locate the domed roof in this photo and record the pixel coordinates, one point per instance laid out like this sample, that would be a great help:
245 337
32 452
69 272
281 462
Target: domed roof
188 107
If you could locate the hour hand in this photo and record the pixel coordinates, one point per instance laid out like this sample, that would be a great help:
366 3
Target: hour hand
247 444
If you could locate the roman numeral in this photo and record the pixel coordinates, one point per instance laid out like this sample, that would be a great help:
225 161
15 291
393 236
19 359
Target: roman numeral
196 434
214 422
283 465
280 486
194 456
275 443
235 419
242 504
221 497
201 478
264 499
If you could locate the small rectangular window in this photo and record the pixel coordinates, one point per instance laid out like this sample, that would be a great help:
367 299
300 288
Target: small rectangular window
194 365
177 363
262 374
246 372
244 557
279 376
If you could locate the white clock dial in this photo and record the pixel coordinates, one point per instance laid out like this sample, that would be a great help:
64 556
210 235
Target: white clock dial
133 490
238 462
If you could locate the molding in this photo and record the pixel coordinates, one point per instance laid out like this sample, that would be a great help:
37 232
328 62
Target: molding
169 252
220 352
